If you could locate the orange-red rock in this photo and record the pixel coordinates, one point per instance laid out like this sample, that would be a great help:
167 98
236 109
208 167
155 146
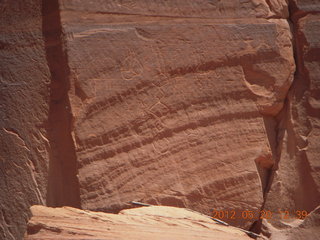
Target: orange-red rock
231 9
24 107
311 6
296 183
182 102
157 96
35 139
140 223
295 229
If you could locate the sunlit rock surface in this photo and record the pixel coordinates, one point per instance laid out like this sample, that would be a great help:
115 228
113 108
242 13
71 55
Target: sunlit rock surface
157 98
203 104
296 183
140 223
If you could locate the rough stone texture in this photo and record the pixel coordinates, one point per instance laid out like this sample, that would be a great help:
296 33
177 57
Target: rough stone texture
24 94
311 6
296 183
157 99
229 9
181 102
135 224
307 229
36 145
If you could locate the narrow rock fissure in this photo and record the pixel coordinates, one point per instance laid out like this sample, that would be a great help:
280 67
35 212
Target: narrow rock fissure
274 125
308 198
281 119
63 185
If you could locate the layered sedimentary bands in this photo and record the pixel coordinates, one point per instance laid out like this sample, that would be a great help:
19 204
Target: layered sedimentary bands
202 104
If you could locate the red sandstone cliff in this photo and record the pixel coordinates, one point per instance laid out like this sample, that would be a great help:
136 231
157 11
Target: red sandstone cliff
199 104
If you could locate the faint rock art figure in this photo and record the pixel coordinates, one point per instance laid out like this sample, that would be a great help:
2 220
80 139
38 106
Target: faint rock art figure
127 3
69 36
218 4
161 146
159 125
143 34
131 67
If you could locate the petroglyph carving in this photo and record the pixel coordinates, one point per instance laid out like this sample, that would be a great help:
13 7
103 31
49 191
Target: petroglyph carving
131 67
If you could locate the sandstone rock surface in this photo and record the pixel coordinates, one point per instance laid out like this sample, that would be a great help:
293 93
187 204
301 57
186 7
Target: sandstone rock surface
230 9
140 223
35 139
157 97
204 104
306 229
24 107
297 181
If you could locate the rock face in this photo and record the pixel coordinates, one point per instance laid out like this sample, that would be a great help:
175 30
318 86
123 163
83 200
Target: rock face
296 182
24 107
204 104
140 223
35 118
157 95
309 228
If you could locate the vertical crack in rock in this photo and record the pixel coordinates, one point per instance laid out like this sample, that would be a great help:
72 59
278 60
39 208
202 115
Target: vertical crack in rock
275 131
271 124
276 126
309 199
63 185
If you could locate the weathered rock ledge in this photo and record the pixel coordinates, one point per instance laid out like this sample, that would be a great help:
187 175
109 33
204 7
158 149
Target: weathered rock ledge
156 222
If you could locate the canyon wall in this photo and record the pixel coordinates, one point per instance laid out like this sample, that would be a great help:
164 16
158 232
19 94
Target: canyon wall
295 180
24 104
169 101
198 104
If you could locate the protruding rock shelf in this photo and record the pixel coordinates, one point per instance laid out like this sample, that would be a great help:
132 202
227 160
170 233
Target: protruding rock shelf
144 223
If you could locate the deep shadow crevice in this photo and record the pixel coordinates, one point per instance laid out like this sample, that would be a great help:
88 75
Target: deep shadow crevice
298 88
63 185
